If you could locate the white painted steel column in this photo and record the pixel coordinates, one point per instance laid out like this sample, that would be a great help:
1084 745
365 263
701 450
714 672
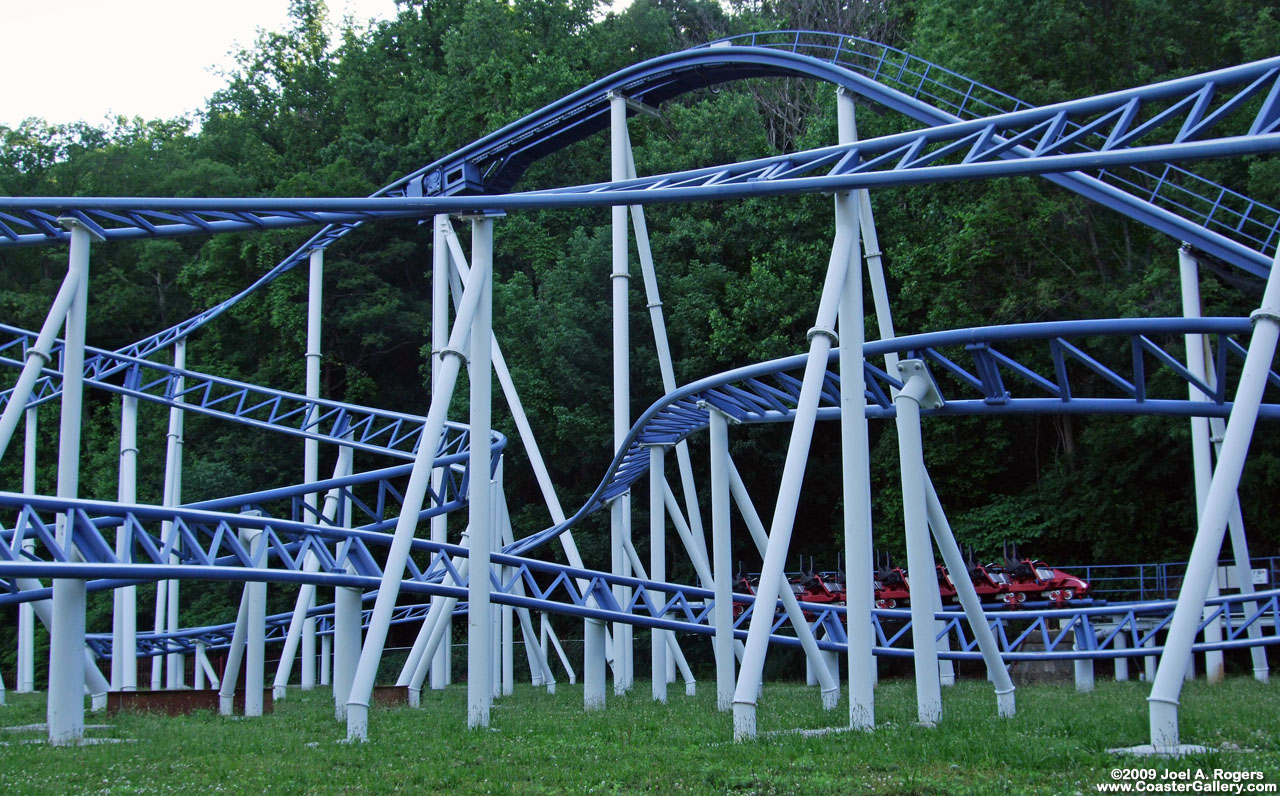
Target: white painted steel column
997 672
1213 520
439 666
1083 667
311 447
197 681
662 348
167 592
480 650
296 635
1201 457
1121 642
326 658
255 627
722 555
307 678
917 390
26 612
66 645
821 337
235 657
415 493
1203 430
124 636
593 665
346 646
435 630
658 569
827 677
620 280
855 458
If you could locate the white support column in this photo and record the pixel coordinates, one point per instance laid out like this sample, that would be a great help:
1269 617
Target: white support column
722 556
346 646
822 337
1204 430
997 673
1201 458
620 284
855 457
479 613
235 657
198 681
826 677
26 612
1202 566
918 392
296 634
307 680
441 228
662 347
255 627
435 631
326 659
1121 642
174 661
357 713
66 646
124 635
658 569
1083 666
593 665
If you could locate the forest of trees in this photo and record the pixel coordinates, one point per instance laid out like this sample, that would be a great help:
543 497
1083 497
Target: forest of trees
325 109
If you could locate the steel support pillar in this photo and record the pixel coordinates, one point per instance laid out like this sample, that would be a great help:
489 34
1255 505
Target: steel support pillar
997 673
441 228
480 652
593 665
66 643
168 592
26 675
658 569
919 391
346 646
772 582
722 556
255 629
855 458
619 281
826 678
1203 431
124 625
1219 502
357 713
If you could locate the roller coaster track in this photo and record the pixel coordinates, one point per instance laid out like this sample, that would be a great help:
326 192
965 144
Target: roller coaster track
970 132
1084 378
1180 113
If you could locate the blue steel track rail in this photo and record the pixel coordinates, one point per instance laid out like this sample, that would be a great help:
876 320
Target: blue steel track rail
871 69
1120 366
546 586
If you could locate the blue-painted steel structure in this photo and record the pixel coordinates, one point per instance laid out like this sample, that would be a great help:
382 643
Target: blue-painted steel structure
1118 150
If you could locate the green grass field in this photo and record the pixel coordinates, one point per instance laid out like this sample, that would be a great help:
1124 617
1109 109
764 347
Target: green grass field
545 744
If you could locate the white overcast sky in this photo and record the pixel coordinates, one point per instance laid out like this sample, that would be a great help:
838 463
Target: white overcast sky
86 60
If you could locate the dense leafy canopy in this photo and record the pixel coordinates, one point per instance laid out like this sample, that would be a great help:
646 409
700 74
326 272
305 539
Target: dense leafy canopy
322 109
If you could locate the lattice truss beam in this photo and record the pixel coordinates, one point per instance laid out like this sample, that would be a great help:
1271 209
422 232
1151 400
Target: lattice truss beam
208 547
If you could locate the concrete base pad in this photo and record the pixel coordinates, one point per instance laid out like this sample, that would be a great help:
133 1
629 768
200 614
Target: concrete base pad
1147 750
